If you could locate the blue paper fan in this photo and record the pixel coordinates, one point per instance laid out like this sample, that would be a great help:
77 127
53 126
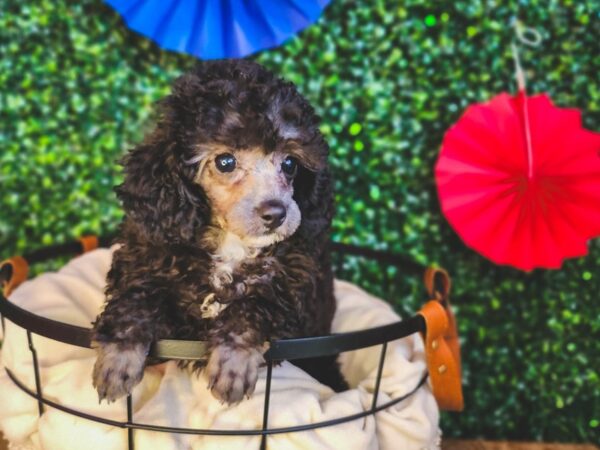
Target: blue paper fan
212 29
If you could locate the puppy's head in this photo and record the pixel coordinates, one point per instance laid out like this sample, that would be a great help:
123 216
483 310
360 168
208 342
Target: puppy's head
235 148
251 192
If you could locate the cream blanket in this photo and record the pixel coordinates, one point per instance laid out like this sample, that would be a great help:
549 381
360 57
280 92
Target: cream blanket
175 398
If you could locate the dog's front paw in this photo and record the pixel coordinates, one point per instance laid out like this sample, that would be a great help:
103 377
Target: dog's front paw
118 369
232 372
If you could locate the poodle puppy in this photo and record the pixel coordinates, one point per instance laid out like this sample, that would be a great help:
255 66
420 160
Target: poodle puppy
228 205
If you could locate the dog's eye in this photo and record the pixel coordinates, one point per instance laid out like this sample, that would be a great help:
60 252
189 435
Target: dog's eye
225 162
289 166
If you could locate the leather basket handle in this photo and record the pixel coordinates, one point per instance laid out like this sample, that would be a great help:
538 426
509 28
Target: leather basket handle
442 347
88 243
15 271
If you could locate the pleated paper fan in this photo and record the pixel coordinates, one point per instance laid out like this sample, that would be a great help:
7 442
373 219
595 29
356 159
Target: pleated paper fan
519 181
212 29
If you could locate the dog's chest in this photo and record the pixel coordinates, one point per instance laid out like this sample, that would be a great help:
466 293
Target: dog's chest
227 259
226 277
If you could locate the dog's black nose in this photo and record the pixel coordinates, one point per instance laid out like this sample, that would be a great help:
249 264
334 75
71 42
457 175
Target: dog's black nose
272 212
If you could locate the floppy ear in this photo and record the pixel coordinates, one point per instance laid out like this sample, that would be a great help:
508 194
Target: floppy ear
313 191
296 121
158 194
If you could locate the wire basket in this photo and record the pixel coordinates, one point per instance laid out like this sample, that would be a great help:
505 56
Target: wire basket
435 322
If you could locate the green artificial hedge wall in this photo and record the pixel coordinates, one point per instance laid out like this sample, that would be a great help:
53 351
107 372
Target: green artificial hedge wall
388 78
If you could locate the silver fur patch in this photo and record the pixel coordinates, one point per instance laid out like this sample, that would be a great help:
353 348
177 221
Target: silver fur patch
228 256
284 129
232 372
117 369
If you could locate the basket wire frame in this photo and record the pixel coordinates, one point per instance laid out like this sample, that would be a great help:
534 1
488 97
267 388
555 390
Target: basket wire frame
288 349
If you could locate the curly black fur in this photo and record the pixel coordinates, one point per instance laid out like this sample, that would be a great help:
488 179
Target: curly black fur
160 273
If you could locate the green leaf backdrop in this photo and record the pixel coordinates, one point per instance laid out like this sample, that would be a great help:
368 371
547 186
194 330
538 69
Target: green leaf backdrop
388 78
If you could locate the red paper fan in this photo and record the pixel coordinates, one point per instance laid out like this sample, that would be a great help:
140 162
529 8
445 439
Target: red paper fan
519 180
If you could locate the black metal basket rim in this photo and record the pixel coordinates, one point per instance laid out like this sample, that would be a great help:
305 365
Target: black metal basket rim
286 349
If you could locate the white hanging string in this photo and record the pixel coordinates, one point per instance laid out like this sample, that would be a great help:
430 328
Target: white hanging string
532 38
